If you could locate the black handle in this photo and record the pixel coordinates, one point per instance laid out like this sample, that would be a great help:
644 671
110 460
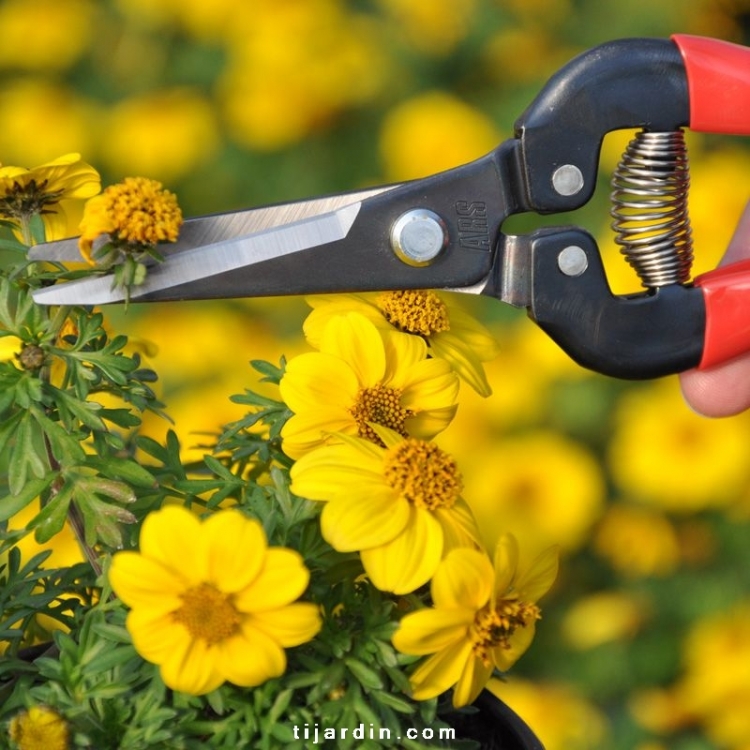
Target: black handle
629 83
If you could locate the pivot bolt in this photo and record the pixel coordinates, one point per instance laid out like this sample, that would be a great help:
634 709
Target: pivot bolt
418 236
572 260
567 180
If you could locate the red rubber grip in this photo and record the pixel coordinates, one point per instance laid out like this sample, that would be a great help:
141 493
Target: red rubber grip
726 292
718 75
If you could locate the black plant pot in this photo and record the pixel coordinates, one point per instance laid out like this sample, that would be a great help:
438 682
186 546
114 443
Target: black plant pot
495 726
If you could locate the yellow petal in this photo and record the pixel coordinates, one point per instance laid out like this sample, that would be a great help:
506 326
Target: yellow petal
355 340
473 334
429 630
506 563
463 580
540 576
333 470
427 424
326 307
172 536
155 636
430 384
250 658
474 678
408 561
143 582
235 548
459 526
403 351
306 431
464 361
440 672
352 522
316 379
521 639
290 626
281 580
192 669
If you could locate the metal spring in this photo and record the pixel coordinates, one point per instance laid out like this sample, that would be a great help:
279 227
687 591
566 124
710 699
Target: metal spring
649 207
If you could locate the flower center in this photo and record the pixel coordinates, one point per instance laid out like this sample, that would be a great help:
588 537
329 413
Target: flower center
24 199
141 212
381 405
207 613
424 474
416 311
493 627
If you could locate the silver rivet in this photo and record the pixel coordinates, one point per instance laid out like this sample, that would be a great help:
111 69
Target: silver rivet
572 260
418 236
567 179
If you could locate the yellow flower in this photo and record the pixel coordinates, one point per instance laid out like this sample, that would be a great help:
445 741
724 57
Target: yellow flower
664 454
418 137
39 728
400 506
136 213
211 602
450 332
43 190
360 377
483 618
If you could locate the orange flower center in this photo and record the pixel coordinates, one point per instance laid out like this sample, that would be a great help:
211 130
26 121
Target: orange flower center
207 613
381 405
417 311
494 626
425 475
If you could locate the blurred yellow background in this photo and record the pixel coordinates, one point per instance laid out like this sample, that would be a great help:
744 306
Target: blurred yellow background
645 642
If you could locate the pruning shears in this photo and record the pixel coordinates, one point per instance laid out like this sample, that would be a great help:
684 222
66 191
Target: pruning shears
446 231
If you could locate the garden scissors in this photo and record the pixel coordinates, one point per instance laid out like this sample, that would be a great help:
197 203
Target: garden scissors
445 231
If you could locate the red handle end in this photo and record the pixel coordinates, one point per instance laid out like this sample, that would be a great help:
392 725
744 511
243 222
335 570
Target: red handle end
726 292
718 76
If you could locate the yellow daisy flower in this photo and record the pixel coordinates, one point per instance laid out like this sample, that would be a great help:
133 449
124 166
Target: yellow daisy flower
46 190
210 601
450 332
359 377
39 728
399 505
483 619
136 213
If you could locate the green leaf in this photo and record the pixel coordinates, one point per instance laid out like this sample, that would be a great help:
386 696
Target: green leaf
84 411
51 518
65 447
24 456
125 469
367 676
12 504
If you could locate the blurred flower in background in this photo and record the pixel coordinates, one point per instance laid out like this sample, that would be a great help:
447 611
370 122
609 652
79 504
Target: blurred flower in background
231 104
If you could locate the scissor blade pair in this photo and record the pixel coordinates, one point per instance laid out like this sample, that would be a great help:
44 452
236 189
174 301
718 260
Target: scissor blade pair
224 269
202 231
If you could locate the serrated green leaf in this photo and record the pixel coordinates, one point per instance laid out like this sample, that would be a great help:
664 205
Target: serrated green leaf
64 446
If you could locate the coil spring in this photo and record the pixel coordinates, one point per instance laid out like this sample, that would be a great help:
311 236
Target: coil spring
649 207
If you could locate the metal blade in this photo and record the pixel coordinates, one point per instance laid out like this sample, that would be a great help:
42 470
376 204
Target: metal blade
191 273
207 230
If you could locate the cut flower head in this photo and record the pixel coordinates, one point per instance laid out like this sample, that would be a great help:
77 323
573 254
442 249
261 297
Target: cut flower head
210 601
360 377
483 618
398 505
